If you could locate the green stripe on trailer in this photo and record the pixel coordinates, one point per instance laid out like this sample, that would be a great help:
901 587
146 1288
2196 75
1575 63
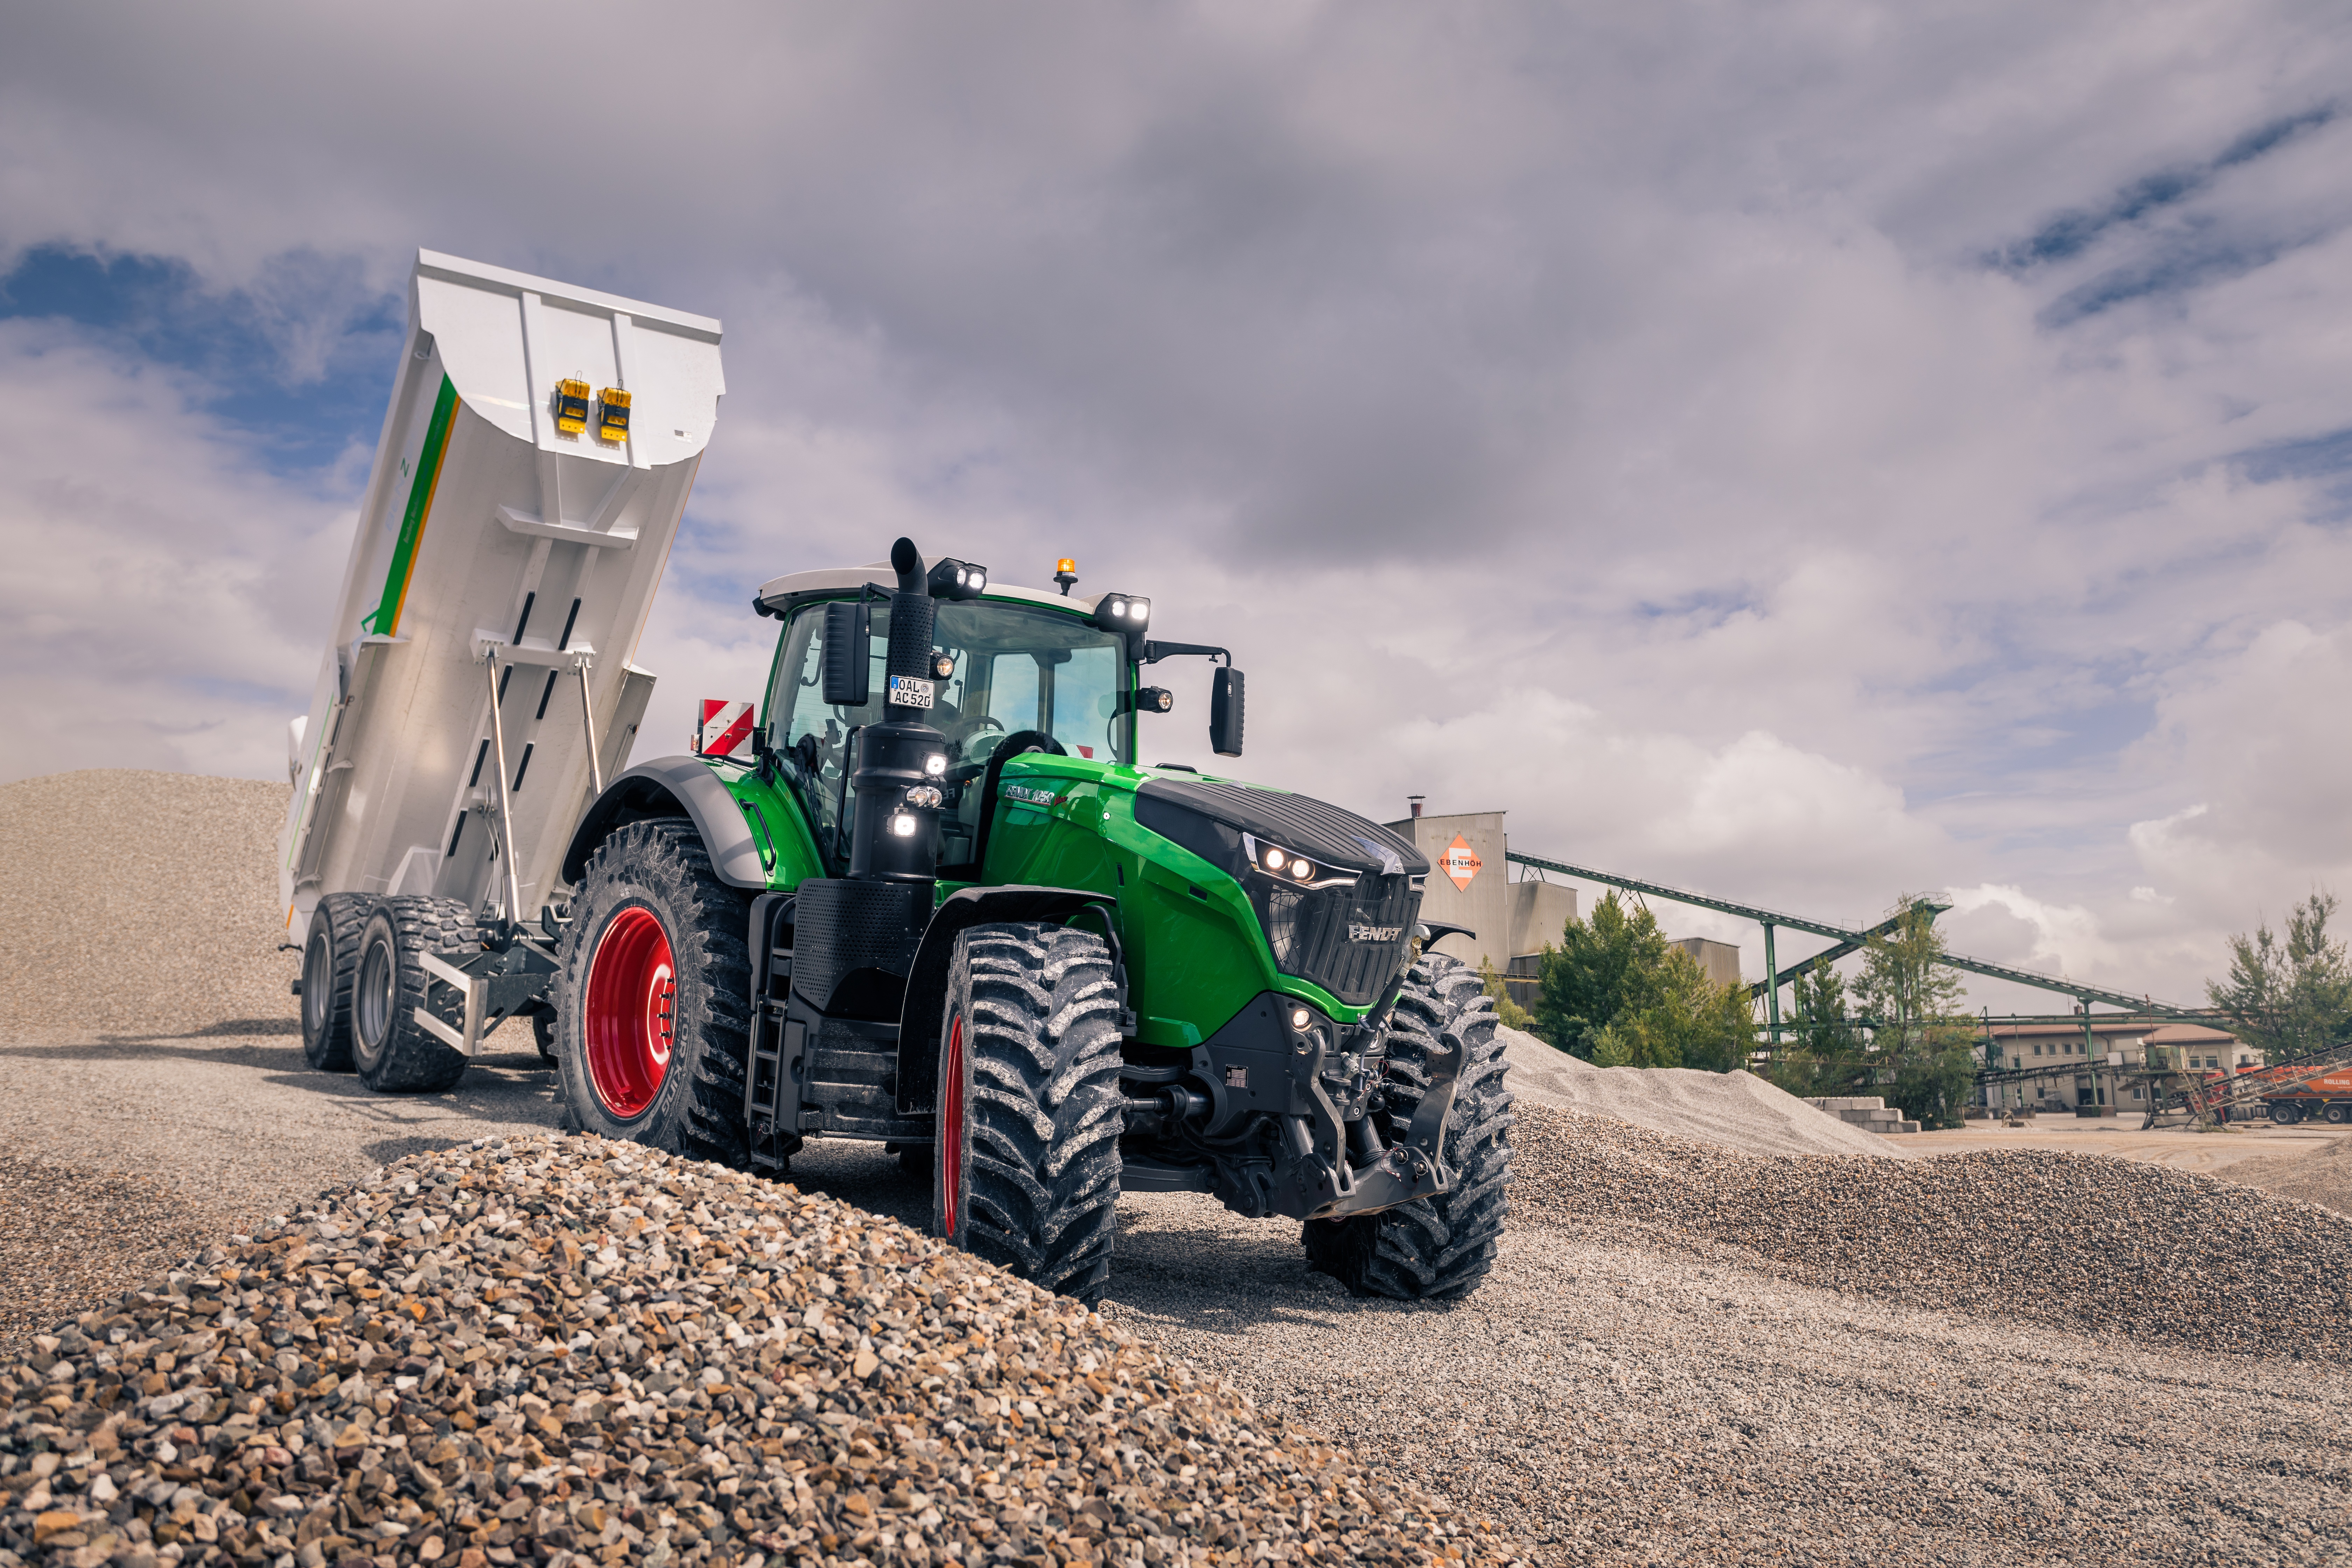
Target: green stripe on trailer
385 620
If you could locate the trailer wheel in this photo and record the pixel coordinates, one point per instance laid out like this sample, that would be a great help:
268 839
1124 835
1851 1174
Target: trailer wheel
393 1053
652 1012
1438 1248
330 953
1025 1167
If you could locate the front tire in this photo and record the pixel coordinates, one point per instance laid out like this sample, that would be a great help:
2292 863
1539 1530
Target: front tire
652 1020
2286 1115
392 1052
1434 1249
1025 1167
330 955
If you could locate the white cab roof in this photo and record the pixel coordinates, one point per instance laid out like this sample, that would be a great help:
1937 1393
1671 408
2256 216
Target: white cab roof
848 579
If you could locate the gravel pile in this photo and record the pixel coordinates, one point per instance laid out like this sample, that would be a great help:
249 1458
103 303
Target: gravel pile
2322 1176
2160 1255
142 904
1736 1109
562 1349
70 1237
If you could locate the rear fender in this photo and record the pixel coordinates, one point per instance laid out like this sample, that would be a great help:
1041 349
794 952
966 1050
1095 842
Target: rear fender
927 983
672 786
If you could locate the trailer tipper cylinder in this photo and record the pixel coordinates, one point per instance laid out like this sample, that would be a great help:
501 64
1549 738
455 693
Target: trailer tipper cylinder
529 478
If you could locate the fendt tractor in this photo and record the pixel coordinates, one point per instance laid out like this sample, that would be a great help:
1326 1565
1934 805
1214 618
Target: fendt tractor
925 894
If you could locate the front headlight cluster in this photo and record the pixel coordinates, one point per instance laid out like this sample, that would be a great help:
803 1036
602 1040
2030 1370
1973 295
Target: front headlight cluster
1123 610
1288 865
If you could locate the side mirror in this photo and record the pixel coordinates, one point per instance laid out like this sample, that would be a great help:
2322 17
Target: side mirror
1226 712
846 670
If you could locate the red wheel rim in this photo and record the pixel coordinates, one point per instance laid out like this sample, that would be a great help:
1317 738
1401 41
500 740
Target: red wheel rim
950 1131
629 1026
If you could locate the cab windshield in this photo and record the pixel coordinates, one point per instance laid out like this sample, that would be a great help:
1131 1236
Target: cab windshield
1019 669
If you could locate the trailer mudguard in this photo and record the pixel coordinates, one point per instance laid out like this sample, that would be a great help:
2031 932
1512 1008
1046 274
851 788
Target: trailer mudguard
672 786
927 984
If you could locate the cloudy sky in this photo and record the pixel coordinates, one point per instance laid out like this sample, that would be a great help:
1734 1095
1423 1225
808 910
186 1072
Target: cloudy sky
1802 451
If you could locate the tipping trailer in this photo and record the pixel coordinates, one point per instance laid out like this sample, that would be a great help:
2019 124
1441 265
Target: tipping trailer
476 691
921 889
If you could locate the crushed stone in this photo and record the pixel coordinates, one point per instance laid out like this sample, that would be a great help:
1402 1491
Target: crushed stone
565 1350
2162 1256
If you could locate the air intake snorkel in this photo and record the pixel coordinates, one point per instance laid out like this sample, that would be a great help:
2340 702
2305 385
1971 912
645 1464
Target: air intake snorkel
901 761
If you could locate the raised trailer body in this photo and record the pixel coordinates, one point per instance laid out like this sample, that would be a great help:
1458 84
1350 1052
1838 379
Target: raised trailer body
534 466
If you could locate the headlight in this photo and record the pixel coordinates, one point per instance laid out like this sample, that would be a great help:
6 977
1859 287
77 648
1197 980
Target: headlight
935 763
1300 868
903 826
1300 1017
1275 859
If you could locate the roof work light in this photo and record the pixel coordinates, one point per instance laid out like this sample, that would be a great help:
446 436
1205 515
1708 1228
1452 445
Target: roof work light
958 580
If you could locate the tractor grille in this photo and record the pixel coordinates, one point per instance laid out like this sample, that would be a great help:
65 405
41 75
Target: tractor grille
1349 941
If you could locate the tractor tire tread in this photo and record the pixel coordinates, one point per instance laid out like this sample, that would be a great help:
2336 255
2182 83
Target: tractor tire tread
712 955
1045 1113
1434 1249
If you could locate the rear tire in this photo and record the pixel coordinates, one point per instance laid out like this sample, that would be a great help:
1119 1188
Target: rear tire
2338 1112
1025 1167
392 1052
330 955
653 1000
1434 1249
2286 1115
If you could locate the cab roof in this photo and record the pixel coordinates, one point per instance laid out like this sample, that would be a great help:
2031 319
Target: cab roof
781 593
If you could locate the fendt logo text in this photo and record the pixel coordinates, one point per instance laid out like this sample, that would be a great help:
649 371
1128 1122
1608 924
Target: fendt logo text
1374 933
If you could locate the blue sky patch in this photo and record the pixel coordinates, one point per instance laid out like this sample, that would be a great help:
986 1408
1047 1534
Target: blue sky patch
299 360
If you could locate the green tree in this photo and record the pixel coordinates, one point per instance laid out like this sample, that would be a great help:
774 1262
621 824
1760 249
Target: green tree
1826 1051
1618 994
1507 1007
2289 997
1920 1039
1602 967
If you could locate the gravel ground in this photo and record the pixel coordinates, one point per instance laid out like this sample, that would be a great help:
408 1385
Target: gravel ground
2164 1255
561 1349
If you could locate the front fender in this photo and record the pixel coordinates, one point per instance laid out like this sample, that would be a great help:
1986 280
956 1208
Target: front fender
672 786
926 981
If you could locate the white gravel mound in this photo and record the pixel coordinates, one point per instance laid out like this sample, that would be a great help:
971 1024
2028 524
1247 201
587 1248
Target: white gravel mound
1736 1110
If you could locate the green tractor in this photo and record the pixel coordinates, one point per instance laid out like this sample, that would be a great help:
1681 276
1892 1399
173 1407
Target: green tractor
933 900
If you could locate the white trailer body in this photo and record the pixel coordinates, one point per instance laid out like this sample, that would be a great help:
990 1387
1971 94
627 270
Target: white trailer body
511 536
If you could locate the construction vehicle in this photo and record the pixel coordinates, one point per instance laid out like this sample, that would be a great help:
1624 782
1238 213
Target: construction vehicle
2293 1094
922 893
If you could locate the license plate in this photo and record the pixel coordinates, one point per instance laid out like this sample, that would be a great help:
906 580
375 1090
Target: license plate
910 691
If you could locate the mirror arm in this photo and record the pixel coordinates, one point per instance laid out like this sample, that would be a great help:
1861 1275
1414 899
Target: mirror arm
1153 652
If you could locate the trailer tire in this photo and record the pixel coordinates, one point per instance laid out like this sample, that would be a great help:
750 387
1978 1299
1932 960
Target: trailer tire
542 1032
1434 1249
393 1053
1025 1168
655 943
331 952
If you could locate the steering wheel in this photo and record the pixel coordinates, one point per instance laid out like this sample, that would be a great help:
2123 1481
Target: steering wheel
1022 742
